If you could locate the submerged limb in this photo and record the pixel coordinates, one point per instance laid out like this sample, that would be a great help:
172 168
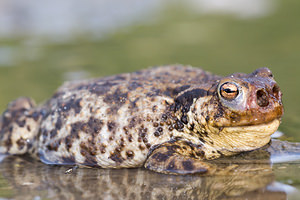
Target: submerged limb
19 126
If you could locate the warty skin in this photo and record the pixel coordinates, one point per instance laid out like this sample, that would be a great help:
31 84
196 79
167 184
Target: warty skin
169 119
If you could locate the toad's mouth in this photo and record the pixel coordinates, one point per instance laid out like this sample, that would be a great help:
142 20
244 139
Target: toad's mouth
264 129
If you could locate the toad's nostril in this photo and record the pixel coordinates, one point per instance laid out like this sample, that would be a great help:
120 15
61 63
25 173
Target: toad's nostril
262 98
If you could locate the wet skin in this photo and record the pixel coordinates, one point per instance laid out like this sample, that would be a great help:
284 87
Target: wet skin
171 119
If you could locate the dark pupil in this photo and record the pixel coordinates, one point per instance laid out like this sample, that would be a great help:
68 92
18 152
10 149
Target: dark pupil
227 90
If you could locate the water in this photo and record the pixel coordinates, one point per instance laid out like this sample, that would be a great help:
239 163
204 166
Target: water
45 43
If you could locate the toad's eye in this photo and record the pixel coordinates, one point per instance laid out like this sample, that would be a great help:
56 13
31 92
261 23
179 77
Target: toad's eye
229 91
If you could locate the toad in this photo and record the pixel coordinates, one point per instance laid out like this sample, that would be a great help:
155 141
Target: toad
170 119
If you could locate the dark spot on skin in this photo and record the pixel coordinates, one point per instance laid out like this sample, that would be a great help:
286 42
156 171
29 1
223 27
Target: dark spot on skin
206 118
202 140
134 85
186 99
188 165
164 117
184 119
154 108
160 129
8 142
219 152
69 142
126 129
157 134
35 116
141 147
178 125
148 119
21 123
58 123
21 143
75 128
111 137
148 145
171 165
160 157
200 153
111 126
155 124
44 133
192 126
94 126
102 148
201 134
53 146
142 132
71 104
28 128
185 109
118 149
139 139
83 153
116 99
132 122
130 138
98 88
53 133
116 156
130 154
89 151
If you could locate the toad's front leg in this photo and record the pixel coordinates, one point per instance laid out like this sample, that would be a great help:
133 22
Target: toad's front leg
178 157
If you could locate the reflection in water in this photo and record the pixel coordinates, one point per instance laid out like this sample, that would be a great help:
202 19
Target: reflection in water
33 179
248 175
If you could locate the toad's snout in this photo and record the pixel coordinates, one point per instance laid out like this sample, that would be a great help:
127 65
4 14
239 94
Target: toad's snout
265 96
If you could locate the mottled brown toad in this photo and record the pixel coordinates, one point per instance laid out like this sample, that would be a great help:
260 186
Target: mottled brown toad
168 119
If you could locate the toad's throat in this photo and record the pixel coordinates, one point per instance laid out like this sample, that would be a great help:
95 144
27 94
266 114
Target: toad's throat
244 138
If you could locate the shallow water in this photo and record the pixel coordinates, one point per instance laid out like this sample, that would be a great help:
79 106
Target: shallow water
43 44
243 177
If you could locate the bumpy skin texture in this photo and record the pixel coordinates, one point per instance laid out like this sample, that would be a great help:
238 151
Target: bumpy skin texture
169 119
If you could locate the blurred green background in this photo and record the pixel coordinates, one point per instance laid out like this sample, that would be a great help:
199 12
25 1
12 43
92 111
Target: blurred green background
41 48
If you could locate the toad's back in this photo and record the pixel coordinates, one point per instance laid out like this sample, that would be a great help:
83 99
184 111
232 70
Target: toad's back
113 121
